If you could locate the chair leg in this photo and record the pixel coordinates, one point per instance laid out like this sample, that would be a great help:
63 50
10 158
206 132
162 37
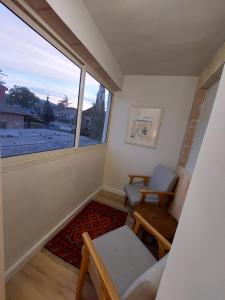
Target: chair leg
126 200
83 271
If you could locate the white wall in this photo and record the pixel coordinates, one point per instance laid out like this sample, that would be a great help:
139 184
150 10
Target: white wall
175 95
196 264
76 16
202 125
39 195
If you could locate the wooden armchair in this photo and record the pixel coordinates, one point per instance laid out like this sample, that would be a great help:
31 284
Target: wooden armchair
118 259
156 189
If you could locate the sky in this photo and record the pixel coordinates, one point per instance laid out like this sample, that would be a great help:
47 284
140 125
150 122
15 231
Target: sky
29 60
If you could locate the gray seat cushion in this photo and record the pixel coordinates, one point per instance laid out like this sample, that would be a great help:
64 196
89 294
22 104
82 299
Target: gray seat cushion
124 256
134 196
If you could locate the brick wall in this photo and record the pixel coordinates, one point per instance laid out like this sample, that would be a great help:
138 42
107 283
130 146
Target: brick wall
181 191
191 127
184 175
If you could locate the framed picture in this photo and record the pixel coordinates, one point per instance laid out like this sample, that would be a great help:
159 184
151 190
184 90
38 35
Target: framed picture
144 126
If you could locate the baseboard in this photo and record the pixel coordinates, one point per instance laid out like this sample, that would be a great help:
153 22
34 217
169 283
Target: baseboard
113 190
40 244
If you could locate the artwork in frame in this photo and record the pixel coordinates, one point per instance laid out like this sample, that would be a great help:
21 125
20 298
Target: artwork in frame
144 126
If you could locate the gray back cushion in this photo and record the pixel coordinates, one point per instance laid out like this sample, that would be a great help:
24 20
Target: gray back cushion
163 179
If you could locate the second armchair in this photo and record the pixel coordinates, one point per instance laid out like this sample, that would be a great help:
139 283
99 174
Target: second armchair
156 189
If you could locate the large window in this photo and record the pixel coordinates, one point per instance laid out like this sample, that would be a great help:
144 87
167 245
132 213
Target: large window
39 91
95 112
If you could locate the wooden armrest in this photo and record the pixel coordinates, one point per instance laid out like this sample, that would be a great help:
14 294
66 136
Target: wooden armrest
108 289
145 178
162 195
163 244
147 192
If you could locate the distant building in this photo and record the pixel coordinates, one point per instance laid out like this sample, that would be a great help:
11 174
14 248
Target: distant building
12 116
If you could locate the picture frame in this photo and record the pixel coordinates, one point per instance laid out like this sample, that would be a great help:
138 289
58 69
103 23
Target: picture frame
144 125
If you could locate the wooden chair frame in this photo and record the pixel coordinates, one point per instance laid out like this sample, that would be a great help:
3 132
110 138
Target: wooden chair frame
108 290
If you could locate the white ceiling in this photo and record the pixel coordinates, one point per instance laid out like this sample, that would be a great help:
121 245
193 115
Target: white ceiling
161 37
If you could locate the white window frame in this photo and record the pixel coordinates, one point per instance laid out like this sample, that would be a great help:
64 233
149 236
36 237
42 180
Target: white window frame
107 118
80 105
39 25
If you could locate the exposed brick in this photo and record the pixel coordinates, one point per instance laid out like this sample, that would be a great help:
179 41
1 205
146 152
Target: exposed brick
191 127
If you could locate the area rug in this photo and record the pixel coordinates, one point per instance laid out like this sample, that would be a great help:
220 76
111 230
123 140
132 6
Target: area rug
97 219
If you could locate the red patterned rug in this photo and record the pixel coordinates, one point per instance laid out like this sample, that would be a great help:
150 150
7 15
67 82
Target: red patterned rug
97 219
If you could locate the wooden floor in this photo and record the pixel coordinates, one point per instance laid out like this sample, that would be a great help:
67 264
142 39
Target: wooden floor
46 277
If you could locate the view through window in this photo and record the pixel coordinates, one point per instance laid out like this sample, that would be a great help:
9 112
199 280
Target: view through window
95 112
39 89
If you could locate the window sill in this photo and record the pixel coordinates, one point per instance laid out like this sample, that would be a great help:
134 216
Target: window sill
14 163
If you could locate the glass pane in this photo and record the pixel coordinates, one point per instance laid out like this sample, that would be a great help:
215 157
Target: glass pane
39 89
95 112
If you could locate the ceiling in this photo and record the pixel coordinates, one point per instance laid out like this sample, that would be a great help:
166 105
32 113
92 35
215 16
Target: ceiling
161 37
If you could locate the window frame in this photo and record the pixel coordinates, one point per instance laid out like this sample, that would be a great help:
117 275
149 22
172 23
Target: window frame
38 25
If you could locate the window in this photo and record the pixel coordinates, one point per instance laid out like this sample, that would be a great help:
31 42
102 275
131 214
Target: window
95 112
39 91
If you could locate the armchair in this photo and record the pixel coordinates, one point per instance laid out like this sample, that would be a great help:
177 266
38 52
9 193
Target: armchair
120 266
156 189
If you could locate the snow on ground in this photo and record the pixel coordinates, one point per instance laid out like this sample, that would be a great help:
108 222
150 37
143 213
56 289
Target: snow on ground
23 141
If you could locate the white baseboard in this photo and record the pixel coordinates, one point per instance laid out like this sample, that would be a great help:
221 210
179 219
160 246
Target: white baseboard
113 190
40 244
